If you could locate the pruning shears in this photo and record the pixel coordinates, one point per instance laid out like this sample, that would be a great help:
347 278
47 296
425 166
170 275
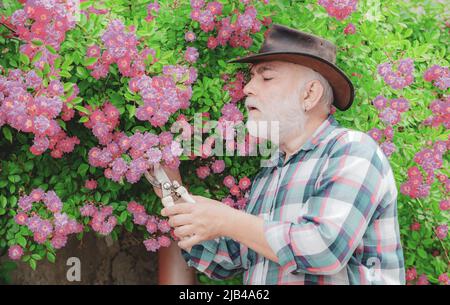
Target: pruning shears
171 190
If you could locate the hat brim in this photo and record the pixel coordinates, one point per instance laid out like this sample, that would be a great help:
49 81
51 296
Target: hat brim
343 90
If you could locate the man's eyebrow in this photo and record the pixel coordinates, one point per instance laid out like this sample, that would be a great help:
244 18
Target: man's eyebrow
261 69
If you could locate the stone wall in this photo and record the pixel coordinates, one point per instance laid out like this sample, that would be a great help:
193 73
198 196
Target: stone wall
103 261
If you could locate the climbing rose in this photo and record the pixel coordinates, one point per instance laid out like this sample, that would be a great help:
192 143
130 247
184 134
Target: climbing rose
218 166
350 29
244 183
340 9
90 184
15 252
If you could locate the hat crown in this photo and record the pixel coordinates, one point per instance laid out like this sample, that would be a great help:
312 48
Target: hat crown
283 39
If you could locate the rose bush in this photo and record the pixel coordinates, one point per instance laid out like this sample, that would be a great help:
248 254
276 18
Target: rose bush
89 91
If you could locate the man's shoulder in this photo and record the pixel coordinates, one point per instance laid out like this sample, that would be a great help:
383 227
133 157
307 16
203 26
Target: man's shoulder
345 135
360 145
350 140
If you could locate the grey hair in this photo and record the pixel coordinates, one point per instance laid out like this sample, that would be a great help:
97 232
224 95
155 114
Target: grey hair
327 97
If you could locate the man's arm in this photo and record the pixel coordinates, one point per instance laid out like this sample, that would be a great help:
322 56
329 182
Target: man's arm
209 219
323 239
248 229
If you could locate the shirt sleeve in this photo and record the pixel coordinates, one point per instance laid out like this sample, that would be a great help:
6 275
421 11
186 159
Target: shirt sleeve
347 194
218 259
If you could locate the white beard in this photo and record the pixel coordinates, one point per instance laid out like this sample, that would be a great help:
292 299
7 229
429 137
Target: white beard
276 123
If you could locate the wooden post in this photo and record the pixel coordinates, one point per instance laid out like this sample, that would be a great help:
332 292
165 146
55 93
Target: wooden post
173 269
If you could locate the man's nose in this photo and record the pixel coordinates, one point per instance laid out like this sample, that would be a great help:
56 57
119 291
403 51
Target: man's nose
249 88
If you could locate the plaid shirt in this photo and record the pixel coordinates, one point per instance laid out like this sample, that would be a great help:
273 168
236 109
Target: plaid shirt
330 215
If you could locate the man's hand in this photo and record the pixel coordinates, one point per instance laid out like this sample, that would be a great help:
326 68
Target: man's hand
195 223
207 219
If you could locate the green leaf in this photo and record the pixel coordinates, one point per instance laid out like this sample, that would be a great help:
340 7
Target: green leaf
68 86
37 42
3 201
90 61
83 119
51 257
24 59
37 57
46 69
82 169
131 110
14 178
51 49
82 72
129 226
22 241
222 63
105 198
123 216
64 73
28 166
57 62
7 133
32 263
36 256
82 109
62 124
98 196
76 100
422 253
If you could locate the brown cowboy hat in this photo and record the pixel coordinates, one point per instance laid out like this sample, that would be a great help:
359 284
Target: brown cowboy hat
286 44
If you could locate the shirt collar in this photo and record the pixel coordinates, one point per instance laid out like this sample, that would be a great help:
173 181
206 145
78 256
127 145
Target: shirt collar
324 129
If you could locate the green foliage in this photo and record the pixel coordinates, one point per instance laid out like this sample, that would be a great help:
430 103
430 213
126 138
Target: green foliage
385 30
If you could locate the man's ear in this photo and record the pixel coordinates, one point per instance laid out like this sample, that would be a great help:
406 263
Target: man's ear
312 94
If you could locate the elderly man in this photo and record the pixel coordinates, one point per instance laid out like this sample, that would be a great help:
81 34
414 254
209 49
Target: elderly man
325 211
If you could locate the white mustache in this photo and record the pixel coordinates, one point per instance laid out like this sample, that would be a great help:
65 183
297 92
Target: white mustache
250 103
